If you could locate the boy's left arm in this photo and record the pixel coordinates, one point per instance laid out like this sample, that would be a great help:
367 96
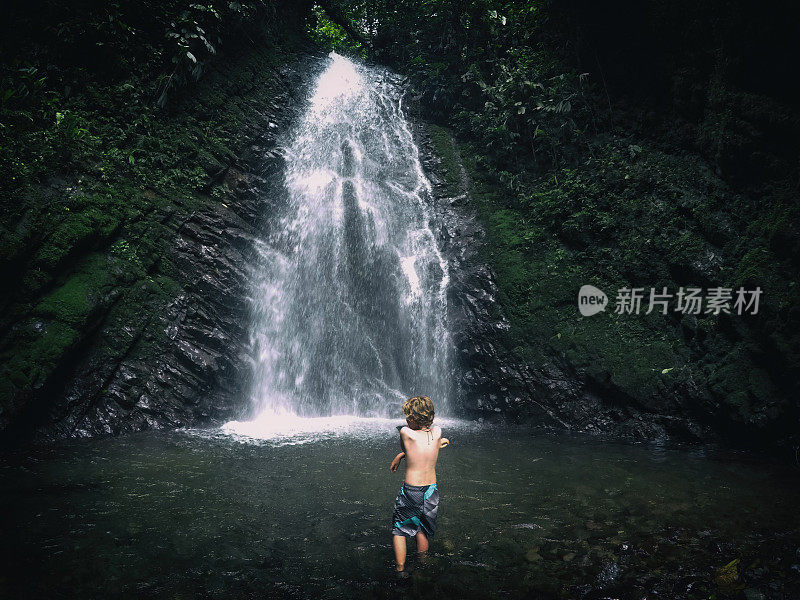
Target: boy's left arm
396 462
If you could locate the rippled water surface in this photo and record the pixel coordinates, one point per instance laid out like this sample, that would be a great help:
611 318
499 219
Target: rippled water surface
204 514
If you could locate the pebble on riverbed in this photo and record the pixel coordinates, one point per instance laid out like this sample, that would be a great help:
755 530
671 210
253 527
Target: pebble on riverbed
533 555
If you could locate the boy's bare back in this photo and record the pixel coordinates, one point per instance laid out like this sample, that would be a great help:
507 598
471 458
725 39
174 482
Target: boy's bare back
422 450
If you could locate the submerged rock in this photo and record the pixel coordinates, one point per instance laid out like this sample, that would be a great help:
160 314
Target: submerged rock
533 555
727 577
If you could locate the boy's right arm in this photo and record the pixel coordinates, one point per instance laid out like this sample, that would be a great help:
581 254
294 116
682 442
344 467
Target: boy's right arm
396 462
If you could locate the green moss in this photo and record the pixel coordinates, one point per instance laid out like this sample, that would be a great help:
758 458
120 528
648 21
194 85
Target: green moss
29 366
445 147
73 301
69 303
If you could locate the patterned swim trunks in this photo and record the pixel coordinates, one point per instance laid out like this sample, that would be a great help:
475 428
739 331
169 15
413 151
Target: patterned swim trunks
415 510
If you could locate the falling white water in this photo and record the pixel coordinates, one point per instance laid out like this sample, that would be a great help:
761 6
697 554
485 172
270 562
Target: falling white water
349 307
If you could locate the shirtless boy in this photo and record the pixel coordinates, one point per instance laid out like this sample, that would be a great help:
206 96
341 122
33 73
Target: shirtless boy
418 501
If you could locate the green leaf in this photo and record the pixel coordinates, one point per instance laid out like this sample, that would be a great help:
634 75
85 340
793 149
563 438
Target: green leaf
665 371
190 55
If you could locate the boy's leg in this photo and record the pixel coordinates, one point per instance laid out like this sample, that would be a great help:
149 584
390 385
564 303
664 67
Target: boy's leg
399 543
422 543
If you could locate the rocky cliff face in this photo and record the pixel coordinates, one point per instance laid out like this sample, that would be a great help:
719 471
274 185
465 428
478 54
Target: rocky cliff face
493 383
500 376
144 324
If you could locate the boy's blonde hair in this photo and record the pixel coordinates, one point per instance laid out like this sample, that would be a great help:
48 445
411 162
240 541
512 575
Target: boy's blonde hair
420 409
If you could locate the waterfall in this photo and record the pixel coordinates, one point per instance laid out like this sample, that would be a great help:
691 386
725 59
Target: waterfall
349 299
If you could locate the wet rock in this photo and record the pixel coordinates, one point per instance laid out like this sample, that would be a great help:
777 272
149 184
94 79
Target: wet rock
533 555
